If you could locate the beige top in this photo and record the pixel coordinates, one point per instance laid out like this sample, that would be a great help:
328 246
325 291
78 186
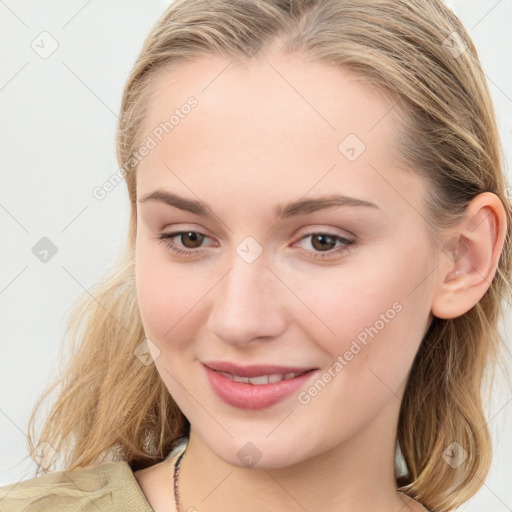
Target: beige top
109 487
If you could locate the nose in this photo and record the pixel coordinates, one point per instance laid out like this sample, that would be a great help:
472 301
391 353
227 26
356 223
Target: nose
249 304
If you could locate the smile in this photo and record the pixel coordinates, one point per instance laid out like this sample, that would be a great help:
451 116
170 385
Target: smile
259 391
262 379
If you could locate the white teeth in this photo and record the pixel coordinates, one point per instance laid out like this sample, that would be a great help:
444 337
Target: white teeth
262 379
236 378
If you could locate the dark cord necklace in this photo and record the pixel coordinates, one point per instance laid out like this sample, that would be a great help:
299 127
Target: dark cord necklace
176 474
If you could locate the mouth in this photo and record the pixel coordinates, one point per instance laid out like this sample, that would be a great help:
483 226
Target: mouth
265 385
257 370
263 379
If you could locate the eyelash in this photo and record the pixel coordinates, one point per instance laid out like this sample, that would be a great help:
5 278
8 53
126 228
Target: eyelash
348 244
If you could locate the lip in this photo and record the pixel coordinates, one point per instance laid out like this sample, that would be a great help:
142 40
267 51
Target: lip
255 396
254 370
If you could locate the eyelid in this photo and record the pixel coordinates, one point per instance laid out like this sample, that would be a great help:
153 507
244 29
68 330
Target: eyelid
303 232
310 230
175 233
348 244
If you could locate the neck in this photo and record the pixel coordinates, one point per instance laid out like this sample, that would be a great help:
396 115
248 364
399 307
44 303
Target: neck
356 475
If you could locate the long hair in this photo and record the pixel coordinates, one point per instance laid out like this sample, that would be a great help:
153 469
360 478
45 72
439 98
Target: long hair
112 406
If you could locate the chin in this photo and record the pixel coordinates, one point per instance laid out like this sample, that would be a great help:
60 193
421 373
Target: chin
260 454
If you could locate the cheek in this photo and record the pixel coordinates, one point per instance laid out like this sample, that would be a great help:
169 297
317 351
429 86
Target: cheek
171 298
373 318
160 293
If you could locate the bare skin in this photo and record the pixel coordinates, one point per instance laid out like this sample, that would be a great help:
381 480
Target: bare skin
155 483
251 143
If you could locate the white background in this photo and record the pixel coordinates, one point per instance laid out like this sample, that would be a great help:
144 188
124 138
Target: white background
58 122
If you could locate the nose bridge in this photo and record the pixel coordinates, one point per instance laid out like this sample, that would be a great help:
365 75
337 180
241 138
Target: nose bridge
246 301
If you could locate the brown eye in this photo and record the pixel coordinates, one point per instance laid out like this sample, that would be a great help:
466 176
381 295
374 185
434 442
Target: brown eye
191 239
323 242
183 242
323 245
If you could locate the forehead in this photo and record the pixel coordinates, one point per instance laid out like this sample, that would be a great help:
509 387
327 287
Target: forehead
276 92
276 124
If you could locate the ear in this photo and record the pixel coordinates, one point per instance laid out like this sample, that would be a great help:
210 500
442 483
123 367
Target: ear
470 256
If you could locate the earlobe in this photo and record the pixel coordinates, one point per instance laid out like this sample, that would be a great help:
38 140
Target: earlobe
469 259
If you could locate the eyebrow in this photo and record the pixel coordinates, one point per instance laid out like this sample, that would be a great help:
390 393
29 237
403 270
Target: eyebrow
281 211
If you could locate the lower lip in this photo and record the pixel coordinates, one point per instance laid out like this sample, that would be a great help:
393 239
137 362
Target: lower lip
254 396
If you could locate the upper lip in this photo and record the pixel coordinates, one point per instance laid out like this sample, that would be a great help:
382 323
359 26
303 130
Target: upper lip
254 370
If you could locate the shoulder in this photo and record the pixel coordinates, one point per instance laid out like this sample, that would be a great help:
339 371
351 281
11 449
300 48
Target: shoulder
107 487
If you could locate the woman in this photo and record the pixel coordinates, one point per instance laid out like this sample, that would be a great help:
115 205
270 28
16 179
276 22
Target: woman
319 249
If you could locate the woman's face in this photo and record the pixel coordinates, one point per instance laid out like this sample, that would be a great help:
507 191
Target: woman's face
258 288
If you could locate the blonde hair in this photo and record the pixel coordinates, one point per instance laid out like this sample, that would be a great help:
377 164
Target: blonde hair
112 407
